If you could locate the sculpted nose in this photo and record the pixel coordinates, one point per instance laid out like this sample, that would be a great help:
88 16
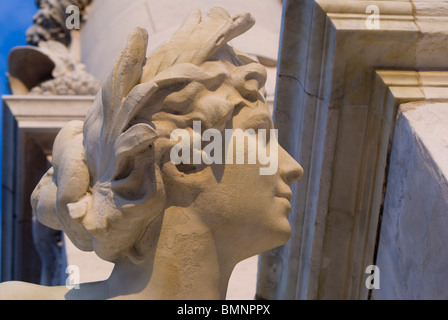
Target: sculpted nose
290 170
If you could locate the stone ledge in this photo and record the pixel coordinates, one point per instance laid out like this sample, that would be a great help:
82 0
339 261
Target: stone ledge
47 111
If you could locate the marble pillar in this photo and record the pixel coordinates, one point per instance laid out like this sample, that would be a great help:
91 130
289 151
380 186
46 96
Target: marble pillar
335 110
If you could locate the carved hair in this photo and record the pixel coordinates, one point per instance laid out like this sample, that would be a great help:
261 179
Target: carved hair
105 187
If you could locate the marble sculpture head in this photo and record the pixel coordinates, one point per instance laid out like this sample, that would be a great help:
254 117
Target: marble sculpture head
113 188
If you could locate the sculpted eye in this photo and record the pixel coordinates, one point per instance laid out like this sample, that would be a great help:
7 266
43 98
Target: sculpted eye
187 168
260 119
129 169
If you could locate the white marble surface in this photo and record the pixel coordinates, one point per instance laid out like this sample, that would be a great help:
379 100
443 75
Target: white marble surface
413 242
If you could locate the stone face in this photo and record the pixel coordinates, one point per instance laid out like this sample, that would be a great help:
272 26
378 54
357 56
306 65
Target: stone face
173 230
411 253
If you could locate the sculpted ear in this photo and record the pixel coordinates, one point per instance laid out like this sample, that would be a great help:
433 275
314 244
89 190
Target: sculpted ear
129 144
132 153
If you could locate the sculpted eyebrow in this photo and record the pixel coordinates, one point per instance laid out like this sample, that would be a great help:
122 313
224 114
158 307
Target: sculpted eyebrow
262 120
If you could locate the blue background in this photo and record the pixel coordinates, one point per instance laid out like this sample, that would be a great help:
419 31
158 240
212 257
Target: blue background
15 17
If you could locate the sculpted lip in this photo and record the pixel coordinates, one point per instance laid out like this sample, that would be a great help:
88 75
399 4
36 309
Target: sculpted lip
287 201
286 195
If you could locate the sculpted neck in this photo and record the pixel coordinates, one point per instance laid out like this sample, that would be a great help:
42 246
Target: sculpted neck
185 264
